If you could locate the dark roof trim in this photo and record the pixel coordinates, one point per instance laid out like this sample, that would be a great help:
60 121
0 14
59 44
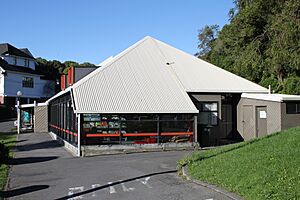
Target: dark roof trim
11 50
5 66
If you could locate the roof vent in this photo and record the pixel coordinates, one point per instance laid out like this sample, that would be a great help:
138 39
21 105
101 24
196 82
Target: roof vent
170 63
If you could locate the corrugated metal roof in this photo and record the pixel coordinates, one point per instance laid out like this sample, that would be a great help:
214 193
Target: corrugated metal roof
153 77
197 75
272 97
137 80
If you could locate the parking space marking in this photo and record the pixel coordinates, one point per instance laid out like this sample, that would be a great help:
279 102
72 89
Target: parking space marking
145 182
125 189
112 190
95 186
75 190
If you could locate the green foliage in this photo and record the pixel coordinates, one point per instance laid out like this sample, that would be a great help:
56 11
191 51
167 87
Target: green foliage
206 38
261 42
69 64
55 68
87 64
8 141
264 168
272 81
291 85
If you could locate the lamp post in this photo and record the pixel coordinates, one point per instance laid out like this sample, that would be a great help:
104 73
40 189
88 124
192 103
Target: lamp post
19 94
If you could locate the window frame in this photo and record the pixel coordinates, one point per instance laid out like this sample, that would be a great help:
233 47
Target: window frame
27 82
295 110
202 110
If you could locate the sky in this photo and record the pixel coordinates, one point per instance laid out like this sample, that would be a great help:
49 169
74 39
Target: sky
93 30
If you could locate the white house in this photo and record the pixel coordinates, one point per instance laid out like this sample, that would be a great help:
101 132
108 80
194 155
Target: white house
18 73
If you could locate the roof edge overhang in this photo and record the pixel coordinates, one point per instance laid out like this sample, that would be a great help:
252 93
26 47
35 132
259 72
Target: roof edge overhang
272 97
59 94
18 72
136 112
227 91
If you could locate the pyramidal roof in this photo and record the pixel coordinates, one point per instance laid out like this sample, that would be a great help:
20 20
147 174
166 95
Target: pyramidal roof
153 77
138 80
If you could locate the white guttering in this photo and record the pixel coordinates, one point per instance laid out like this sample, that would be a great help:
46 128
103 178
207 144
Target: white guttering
272 97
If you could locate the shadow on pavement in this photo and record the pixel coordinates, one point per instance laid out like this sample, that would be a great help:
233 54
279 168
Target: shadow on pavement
15 141
114 183
41 145
28 160
23 190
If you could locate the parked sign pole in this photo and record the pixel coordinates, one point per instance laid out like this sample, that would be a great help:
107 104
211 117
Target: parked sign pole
18 116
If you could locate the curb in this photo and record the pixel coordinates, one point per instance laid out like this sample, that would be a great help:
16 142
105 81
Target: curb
212 187
6 187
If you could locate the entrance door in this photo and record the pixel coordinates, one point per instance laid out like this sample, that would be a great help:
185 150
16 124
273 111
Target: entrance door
248 123
261 121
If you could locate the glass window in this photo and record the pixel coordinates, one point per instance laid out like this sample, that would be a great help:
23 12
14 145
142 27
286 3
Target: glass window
27 82
293 108
209 107
26 63
208 114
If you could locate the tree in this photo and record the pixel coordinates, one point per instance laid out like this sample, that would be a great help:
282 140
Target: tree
261 42
87 64
206 37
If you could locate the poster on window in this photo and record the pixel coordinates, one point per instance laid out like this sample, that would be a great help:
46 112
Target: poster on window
262 114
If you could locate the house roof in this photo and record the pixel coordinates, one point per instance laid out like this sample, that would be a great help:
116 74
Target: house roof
5 66
197 75
25 50
135 81
6 48
272 97
153 77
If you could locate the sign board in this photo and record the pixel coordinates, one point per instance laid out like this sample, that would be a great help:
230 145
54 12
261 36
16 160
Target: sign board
262 114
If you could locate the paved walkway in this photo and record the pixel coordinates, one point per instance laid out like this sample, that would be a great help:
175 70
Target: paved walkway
42 169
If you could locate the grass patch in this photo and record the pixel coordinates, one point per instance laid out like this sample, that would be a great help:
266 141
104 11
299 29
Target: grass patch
8 140
265 168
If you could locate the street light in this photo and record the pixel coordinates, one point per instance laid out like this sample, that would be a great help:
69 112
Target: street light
19 94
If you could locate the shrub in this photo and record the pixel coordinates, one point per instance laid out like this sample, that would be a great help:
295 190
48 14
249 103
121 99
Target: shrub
4 154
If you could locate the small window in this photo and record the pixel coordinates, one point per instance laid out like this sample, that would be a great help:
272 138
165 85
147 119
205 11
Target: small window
208 114
26 63
27 82
293 108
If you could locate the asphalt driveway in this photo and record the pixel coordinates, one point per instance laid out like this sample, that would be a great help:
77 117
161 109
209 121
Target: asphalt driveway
6 125
42 169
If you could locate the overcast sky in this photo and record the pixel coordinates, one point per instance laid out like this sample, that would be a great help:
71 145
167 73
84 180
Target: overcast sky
93 30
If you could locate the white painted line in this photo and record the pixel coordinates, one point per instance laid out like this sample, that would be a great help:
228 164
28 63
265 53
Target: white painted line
112 190
125 189
145 182
75 190
95 186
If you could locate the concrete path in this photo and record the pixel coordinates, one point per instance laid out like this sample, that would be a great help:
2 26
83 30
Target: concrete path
44 170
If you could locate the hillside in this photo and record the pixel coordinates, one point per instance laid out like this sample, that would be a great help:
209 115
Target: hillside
266 168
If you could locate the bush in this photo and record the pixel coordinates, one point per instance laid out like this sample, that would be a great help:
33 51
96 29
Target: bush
4 154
